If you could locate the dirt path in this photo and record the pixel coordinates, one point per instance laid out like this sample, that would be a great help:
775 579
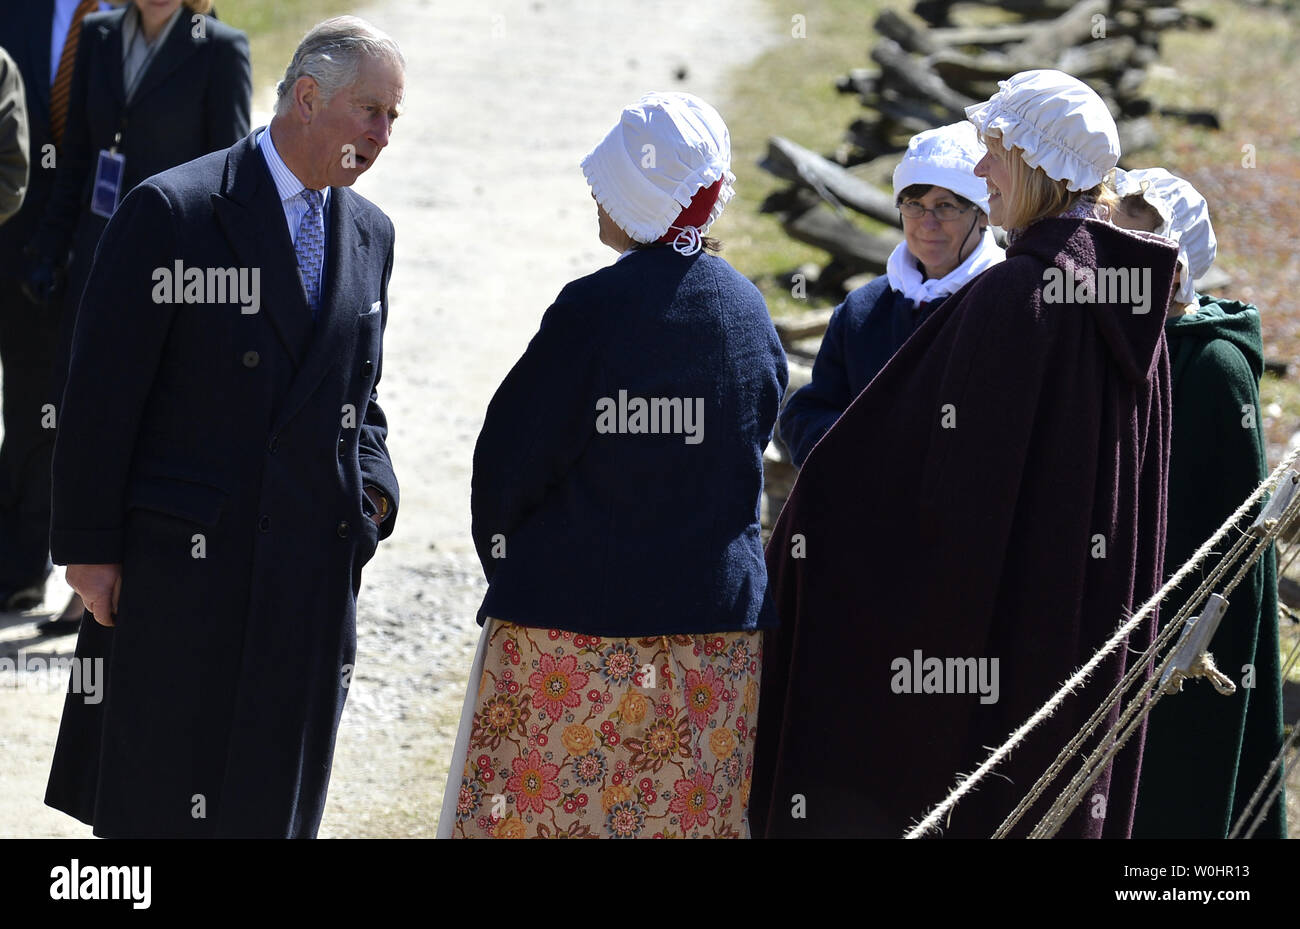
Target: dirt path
493 218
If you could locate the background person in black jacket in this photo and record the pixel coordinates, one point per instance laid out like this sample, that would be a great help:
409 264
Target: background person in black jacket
33 33
160 83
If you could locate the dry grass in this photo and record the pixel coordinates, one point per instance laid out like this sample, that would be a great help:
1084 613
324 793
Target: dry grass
790 90
274 30
1246 70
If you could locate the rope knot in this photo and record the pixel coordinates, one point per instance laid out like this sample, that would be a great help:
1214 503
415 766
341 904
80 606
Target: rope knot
1201 666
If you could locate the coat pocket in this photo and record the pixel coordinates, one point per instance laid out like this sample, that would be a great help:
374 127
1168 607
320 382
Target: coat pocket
370 540
191 500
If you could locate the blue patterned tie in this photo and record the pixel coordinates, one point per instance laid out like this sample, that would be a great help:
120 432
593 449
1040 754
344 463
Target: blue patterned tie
310 246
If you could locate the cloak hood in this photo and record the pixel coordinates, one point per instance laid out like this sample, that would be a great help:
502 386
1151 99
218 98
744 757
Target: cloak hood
1125 261
1218 318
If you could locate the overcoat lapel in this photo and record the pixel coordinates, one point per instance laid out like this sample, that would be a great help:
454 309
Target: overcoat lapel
252 219
342 296
110 34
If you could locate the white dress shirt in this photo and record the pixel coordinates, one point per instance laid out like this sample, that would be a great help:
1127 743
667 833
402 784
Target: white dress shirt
289 187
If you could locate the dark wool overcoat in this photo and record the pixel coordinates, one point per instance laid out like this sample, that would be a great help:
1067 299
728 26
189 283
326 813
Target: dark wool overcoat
250 435
996 493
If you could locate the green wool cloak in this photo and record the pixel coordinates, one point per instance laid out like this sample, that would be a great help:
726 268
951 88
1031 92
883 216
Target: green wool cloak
1205 753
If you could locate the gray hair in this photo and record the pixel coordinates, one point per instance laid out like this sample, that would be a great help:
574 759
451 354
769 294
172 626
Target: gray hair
331 53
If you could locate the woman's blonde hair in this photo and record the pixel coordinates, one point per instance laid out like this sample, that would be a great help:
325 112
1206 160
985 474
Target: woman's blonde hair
200 6
1036 195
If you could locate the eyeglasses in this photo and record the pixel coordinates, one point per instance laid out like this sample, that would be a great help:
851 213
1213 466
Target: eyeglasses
944 212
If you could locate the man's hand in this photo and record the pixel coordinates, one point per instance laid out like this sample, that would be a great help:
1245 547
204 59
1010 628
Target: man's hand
99 586
380 502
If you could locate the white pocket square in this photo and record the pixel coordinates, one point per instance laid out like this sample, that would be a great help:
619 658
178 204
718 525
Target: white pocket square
374 308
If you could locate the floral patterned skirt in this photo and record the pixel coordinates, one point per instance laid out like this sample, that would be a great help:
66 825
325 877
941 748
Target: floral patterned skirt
576 736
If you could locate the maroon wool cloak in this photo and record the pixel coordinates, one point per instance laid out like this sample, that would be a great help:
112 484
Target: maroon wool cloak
959 508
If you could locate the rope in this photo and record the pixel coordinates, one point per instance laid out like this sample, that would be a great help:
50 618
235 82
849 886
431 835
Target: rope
1202 666
1135 671
1259 817
1291 659
1290 561
1102 755
1134 714
932 819
1277 761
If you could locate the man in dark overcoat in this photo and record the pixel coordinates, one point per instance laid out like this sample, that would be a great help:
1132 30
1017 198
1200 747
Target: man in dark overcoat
220 473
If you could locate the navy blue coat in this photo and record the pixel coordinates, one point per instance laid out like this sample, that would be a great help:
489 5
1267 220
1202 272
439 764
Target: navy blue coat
631 533
865 331
252 433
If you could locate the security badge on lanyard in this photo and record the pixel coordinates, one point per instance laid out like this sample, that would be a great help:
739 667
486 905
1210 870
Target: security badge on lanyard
107 192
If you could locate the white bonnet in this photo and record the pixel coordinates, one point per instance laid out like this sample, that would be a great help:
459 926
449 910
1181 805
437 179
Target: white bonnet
1058 121
1185 218
665 147
945 157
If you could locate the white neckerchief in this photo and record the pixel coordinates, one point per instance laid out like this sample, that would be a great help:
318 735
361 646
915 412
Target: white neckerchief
905 276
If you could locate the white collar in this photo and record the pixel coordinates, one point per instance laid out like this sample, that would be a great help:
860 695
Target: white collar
287 184
905 276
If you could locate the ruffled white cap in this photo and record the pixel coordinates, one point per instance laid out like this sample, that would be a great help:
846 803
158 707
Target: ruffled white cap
1058 121
945 157
1186 220
664 149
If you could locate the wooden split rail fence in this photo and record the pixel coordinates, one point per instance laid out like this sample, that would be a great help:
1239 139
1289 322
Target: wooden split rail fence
924 72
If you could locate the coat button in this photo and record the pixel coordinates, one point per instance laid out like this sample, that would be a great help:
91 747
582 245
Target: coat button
264 524
343 446
251 359
273 444
367 368
343 529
